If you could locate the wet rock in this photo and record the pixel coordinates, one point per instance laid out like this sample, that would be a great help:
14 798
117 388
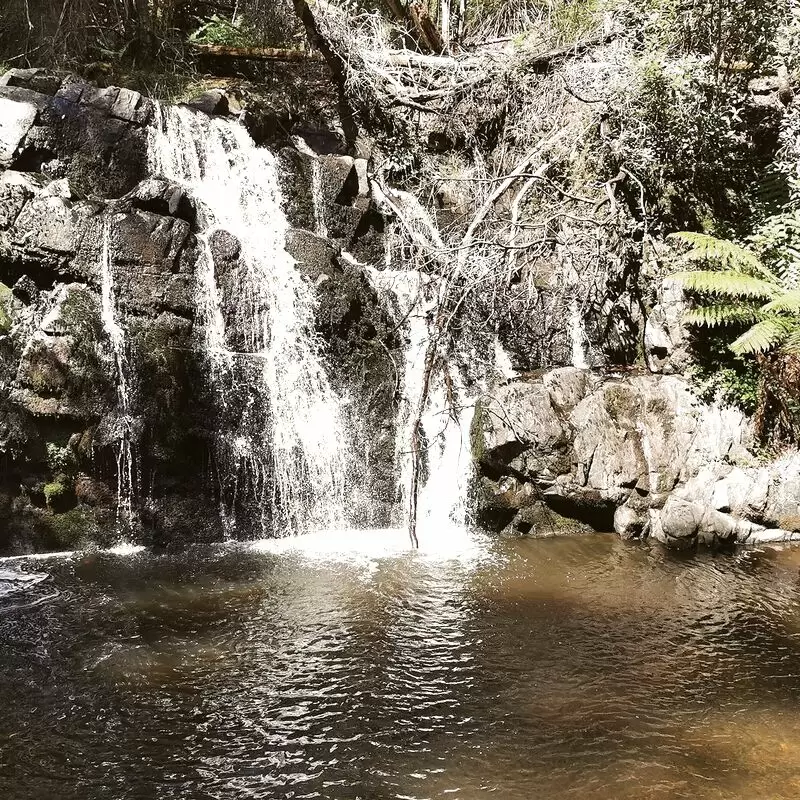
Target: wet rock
163 198
93 492
630 523
95 137
18 112
76 194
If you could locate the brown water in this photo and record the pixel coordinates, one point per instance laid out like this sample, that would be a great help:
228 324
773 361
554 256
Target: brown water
562 668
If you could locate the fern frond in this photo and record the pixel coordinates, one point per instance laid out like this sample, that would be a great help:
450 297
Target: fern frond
729 283
787 302
792 343
763 336
718 314
727 255
773 191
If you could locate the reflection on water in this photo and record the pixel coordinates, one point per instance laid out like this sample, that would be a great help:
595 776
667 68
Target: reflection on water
559 668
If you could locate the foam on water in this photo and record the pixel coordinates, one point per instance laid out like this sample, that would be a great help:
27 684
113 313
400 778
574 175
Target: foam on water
449 543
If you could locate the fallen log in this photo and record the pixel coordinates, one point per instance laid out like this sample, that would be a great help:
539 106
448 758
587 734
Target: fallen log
545 61
258 53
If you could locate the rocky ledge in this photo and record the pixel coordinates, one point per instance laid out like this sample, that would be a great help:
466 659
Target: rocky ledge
76 197
638 454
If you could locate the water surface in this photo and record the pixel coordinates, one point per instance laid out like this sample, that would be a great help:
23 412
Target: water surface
561 668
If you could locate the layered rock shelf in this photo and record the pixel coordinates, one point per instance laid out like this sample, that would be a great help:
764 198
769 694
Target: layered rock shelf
637 454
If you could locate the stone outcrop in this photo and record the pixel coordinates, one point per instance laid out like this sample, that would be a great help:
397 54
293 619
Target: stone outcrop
55 125
638 454
75 196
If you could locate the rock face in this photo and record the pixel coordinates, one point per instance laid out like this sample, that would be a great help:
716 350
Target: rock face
51 124
636 454
75 200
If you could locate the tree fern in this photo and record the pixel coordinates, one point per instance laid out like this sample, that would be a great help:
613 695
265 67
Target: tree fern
729 283
787 302
762 336
738 275
727 255
720 314
792 342
778 241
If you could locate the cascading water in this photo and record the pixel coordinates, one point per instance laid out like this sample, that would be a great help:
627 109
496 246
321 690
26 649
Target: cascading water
320 228
443 408
577 336
123 432
445 424
287 439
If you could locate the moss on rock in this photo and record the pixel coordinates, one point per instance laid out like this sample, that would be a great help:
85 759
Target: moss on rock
5 309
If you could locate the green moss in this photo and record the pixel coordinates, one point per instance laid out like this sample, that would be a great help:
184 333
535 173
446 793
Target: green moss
59 494
54 491
69 531
80 313
5 300
620 402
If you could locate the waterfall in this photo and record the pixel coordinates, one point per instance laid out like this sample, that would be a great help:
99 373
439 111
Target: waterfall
320 228
448 408
124 424
577 336
285 438
447 411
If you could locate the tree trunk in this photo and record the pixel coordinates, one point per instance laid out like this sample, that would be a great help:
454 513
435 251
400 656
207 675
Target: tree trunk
445 23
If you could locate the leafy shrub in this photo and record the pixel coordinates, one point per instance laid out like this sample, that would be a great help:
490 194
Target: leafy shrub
60 459
223 32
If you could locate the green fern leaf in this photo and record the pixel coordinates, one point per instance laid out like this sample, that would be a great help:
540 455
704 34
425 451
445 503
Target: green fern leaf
729 283
763 336
787 302
792 343
719 314
727 255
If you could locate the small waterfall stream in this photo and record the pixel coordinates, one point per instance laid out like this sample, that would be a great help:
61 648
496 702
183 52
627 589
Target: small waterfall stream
287 441
444 412
123 432
445 424
320 227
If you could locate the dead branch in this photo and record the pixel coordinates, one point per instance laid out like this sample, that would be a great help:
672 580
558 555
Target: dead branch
521 168
512 254
257 53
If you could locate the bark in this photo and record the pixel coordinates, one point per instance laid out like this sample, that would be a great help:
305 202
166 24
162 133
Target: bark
337 66
445 23
429 35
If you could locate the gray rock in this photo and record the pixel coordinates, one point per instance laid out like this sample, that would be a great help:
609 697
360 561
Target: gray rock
666 340
630 523
16 119
644 446
567 387
521 428
46 223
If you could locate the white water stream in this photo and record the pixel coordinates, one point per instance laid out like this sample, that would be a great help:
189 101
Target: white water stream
288 441
123 432
445 412
445 423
